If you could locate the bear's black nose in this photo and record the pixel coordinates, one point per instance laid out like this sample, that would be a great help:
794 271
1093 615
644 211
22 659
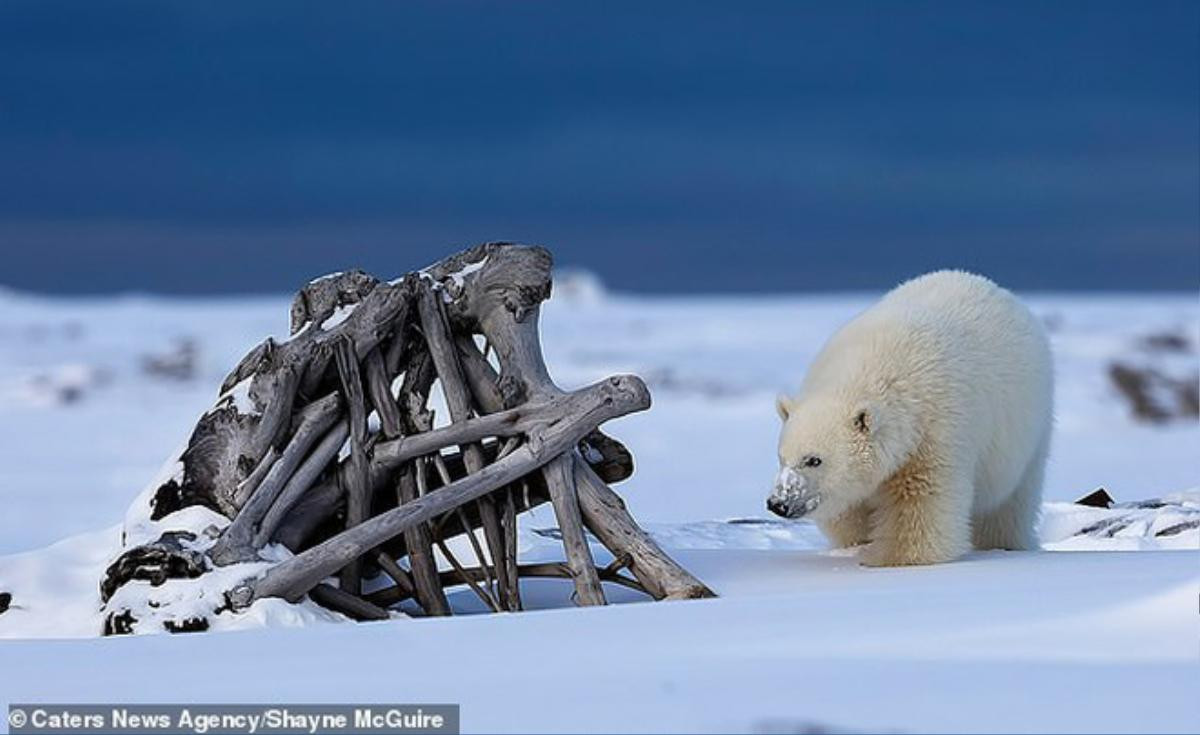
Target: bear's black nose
777 507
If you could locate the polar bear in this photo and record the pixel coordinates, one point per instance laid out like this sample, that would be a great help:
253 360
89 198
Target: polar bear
922 427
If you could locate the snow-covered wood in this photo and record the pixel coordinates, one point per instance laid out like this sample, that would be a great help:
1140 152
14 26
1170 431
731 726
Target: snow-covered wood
316 499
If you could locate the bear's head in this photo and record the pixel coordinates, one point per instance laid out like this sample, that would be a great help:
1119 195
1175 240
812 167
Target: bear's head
833 454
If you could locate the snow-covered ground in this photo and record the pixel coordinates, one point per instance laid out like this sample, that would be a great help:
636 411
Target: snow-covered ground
95 394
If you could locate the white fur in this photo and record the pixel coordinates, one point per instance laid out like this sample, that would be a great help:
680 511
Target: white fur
928 417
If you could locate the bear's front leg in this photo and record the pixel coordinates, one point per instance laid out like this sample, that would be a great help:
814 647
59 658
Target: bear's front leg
923 517
851 528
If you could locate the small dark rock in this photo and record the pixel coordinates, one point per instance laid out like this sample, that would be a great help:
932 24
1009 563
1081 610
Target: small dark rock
119 623
1098 498
187 625
164 559
171 496
5 601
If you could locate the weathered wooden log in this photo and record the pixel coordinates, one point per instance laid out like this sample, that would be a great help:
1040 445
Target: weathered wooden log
418 541
247 487
288 454
458 401
523 376
389 455
257 399
605 515
236 543
561 481
389 596
293 578
484 594
530 493
301 481
358 479
510 568
607 456
346 603
401 578
379 387
512 331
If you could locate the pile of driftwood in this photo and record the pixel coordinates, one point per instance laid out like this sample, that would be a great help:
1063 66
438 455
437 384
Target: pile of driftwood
326 443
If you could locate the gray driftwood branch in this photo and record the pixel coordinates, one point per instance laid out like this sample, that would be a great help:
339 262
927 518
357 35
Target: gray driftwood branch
326 442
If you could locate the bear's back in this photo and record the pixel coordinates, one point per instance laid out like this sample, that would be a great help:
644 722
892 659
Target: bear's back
947 294
963 308
946 326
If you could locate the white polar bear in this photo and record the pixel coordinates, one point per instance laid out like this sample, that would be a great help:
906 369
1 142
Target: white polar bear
923 425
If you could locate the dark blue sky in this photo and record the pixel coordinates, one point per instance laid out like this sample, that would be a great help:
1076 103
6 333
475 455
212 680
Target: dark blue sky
230 147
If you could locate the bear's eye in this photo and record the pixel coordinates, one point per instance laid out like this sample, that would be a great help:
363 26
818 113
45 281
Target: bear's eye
812 462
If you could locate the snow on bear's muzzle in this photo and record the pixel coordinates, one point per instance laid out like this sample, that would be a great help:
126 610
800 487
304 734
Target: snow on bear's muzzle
792 497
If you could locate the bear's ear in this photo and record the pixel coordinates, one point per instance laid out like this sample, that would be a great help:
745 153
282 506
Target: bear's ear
783 406
864 420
